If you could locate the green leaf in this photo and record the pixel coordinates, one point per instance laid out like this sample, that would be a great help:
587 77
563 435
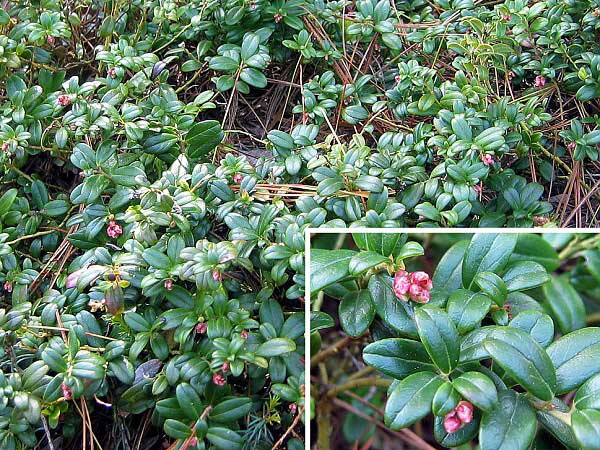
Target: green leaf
363 261
532 247
411 400
564 304
328 267
253 77
448 273
467 309
320 320
486 253
276 347
398 357
231 409
55 208
539 325
189 401
203 138
522 359
356 312
177 429
439 336
477 388
575 357
250 45
386 244
510 425
588 395
586 426
7 200
492 285
445 399
395 313
224 438
223 64
524 275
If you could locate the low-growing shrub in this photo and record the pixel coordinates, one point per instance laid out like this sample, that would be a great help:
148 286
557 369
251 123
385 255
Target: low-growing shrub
494 344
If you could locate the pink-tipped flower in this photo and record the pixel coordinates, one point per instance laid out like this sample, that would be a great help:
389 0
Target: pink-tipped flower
219 379
238 177
168 284
63 100
540 81
401 284
50 40
66 392
293 408
112 72
193 441
452 423
572 146
506 17
216 275
114 230
305 118
464 411
244 334
4 147
478 188
398 78
225 367
412 286
277 17
487 159
8 287
201 327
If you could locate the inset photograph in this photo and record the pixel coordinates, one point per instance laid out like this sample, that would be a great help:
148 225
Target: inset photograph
440 339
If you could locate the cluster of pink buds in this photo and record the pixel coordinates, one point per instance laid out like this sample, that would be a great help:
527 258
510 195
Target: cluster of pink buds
4 147
66 392
225 367
114 230
540 81
293 408
63 100
219 379
217 276
571 146
277 17
487 159
398 78
112 72
50 40
8 287
201 327
506 17
238 177
168 285
413 286
458 417
244 334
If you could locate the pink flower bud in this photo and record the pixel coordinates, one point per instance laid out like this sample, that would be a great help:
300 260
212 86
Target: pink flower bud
8 287
540 81
114 230
244 334
66 392
64 100
219 379
112 72
478 188
225 367
506 17
168 285
277 17
293 408
193 441
487 159
238 177
305 118
50 40
201 328
5 146
216 275
398 78
401 285
451 423
464 411
571 146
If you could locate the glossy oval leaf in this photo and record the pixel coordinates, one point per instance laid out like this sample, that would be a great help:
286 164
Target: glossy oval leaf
398 357
439 336
487 253
356 312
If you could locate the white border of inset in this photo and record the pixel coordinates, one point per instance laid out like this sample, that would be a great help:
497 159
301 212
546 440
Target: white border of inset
308 232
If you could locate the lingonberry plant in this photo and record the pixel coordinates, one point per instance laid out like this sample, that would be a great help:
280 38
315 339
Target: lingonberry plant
485 340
